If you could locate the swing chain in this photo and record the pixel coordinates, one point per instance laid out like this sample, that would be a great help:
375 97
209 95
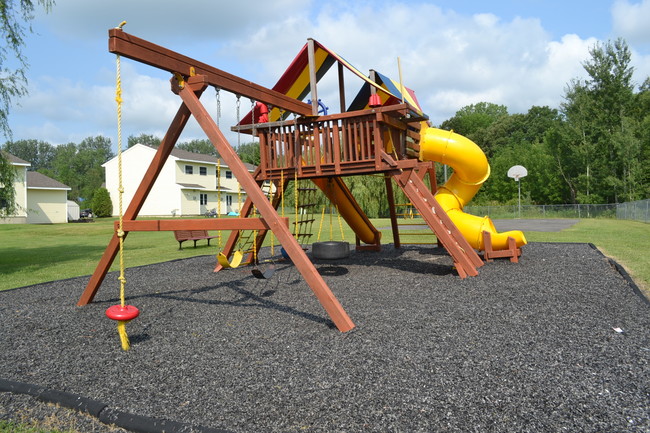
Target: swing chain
253 120
218 95
237 105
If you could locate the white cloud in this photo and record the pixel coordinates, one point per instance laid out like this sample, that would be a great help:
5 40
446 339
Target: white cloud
632 21
450 59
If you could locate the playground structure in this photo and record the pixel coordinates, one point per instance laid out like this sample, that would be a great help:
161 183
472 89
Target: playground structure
383 131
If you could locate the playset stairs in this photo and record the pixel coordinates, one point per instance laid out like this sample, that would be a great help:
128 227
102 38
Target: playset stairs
465 258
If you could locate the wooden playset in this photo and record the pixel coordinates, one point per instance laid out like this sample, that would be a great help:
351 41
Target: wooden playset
379 133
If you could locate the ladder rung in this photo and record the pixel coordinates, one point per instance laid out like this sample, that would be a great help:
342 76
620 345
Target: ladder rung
304 221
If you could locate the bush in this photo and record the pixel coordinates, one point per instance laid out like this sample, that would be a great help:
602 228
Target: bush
101 203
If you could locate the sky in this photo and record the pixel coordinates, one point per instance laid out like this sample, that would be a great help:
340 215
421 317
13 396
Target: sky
453 53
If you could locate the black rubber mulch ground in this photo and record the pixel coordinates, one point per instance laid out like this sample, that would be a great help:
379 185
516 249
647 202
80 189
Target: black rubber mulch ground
522 347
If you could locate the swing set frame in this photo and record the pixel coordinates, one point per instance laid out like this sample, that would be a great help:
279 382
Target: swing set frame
190 80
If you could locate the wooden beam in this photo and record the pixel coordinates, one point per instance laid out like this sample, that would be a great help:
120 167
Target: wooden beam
199 224
311 60
154 55
390 194
342 104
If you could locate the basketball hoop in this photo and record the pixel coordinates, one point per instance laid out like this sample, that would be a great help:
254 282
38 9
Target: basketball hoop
517 172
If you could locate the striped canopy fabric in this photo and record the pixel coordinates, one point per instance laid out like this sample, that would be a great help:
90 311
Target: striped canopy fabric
295 83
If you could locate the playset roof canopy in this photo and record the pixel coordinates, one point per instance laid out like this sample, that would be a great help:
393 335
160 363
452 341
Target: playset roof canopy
295 82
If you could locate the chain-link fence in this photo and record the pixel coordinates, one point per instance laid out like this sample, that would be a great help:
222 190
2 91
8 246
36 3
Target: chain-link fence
638 210
634 210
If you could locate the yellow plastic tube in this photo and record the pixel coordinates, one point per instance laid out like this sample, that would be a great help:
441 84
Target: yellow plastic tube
471 169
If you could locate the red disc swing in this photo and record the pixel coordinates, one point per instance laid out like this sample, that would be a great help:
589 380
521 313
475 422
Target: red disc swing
122 313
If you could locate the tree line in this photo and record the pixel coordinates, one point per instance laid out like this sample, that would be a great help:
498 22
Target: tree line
79 165
594 148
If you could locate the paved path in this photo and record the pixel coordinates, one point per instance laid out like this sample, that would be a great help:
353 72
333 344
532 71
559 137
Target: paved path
534 225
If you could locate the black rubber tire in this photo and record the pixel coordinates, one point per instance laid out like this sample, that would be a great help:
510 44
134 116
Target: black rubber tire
330 250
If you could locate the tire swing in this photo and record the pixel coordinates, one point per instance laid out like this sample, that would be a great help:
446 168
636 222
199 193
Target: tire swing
122 313
330 250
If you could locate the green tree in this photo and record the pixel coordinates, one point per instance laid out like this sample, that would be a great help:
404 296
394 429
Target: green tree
518 139
473 120
369 191
598 135
39 153
7 192
15 18
80 166
202 146
146 139
249 153
102 205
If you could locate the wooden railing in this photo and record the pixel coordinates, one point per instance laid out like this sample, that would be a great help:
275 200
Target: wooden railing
338 144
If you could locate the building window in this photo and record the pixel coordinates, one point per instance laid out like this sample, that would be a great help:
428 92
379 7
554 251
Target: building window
228 200
204 199
189 169
228 174
203 171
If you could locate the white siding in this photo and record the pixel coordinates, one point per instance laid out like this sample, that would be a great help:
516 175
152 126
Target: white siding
20 186
46 206
168 197
163 198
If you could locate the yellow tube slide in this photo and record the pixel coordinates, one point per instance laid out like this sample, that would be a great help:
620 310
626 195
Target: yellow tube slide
471 169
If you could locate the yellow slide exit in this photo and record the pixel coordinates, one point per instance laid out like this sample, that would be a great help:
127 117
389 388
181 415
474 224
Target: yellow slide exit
471 169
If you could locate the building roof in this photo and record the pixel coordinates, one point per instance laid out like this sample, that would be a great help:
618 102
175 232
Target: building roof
40 181
14 159
191 156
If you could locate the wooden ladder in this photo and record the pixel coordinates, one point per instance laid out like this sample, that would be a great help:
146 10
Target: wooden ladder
465 258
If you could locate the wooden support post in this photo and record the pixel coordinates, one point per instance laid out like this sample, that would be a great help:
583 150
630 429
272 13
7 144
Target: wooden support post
512 252
163 152
256 195
391 209
341 88
311 56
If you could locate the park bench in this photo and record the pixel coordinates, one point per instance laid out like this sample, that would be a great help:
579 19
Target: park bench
191 235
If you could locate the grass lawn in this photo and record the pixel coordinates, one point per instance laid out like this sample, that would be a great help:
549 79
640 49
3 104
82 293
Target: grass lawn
31 254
